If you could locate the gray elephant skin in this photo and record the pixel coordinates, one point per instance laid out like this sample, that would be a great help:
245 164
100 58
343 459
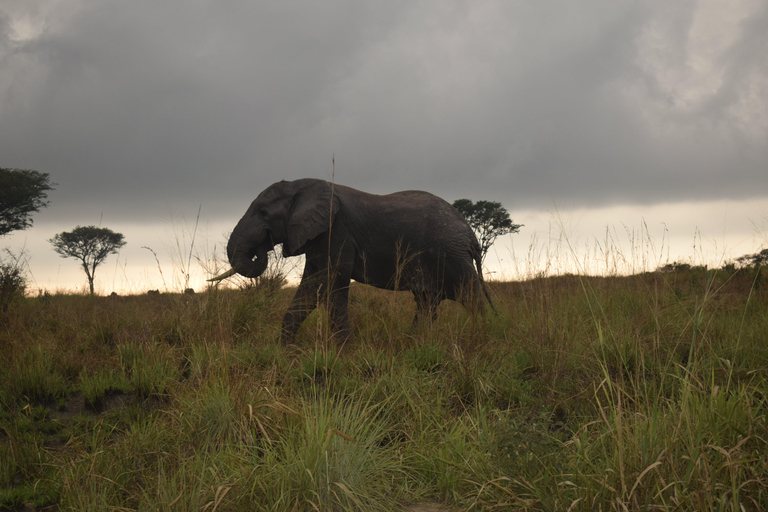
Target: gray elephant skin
408 240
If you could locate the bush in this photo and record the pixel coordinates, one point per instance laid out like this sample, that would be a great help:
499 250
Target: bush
13 282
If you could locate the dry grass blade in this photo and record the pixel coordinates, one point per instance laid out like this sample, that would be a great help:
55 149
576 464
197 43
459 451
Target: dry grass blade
348 493
640 478
221 491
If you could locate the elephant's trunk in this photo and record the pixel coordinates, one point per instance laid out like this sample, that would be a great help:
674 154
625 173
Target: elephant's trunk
246 265
247 252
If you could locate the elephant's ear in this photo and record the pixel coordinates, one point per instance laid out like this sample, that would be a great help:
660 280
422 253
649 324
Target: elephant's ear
312 213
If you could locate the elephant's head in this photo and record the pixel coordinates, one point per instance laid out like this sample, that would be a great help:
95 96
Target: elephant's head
290 213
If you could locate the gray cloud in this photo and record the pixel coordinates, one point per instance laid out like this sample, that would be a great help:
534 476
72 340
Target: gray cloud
146 103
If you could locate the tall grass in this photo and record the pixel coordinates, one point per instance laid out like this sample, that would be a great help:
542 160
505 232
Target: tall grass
641 392
332 454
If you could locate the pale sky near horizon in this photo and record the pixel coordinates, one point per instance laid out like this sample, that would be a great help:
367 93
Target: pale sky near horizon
614 130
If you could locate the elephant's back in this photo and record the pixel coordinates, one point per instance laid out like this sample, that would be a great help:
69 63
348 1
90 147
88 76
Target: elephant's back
424 201
414 216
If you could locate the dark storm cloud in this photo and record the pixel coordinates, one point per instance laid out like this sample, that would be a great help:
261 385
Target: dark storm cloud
148 98
149 103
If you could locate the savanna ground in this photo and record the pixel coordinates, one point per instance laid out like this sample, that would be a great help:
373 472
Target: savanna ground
647 392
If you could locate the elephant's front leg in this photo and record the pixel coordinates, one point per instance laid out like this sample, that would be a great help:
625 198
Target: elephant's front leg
302 304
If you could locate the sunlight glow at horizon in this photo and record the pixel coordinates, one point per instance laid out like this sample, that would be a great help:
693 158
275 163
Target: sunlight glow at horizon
604 241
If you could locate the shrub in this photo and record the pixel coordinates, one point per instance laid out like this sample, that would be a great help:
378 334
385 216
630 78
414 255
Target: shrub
13 283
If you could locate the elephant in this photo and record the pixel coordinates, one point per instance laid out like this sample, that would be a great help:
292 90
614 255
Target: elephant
409 240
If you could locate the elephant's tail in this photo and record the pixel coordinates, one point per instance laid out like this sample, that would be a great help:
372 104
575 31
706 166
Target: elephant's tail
479 265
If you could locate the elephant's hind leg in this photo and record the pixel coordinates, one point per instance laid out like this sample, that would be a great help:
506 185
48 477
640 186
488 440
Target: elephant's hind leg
472 299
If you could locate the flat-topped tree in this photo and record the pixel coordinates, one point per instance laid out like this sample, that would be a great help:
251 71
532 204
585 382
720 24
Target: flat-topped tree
89 244
22 192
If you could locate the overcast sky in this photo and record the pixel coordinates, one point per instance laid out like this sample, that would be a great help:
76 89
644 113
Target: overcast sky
142 110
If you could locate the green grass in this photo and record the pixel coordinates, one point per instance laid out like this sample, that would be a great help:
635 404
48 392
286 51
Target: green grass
332 454
647 392
96 387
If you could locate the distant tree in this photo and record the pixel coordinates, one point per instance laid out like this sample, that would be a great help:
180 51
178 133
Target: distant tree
754 260
22 192
488 219
675 266
89 244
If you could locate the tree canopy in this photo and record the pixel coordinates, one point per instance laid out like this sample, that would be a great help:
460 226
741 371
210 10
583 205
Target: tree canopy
89 244
22 192
754 260
489 220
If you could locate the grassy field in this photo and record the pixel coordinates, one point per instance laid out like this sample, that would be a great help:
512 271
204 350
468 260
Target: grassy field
647 392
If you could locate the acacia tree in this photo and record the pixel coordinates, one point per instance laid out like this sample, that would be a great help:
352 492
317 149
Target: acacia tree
754 260
89 244
22 192
488 219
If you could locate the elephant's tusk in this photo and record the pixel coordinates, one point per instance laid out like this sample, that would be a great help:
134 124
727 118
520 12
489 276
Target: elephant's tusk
223 276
